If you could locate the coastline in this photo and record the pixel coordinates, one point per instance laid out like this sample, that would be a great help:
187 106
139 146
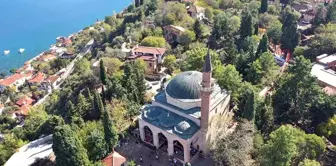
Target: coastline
40 30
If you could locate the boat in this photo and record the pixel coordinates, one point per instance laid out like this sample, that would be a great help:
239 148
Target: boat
21 50
6 52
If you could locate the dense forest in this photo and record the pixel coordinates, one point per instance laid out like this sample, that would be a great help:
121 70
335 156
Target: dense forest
295 124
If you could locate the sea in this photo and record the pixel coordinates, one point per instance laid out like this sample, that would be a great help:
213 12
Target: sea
35 24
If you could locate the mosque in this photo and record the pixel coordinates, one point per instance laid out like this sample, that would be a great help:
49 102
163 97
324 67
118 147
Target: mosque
179 120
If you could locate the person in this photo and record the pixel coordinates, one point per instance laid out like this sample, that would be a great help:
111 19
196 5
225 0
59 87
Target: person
140 158
157 157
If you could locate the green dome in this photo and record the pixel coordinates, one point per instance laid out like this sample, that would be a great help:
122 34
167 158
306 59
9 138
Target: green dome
186 85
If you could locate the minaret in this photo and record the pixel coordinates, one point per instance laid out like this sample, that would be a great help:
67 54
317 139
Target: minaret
206 91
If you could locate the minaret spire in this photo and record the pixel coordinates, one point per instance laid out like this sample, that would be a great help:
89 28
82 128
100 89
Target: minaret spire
207 67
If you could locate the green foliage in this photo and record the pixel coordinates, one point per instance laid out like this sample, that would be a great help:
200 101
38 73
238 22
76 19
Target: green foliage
247 105
225 29
48 127
328 128
320 16
264 115
36 117
208 13
98 106
290 35
274 32
111 135
229 78
288 145
199 29
195 58
331 12
263 45
8 147
263 6
307 162
235 149
187 37
246 26
281 148
102 72
153 41
96 145
170 62
175 14
68 148
296 93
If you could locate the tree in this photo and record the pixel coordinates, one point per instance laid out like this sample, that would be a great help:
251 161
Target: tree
320 17
98 106
208 13
83 106
281 148
187 37
296 93
263 45
112 65
118 112
263 70
82 66
111 136
153 41
331 12
263 6
229 78
96 145
50 124
247 105
199 29
225 29
307 162
328 128
290 35
195 58
36 118
274 32
246 26
68 148
288 146
102 72
170 62
235 149
264 115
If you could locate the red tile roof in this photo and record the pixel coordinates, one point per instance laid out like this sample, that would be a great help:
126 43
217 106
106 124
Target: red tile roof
47 57
149 50
24 110
114 159
25 101
38 78
52 79
11 79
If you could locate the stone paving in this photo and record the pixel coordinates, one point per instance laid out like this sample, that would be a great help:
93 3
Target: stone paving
135 150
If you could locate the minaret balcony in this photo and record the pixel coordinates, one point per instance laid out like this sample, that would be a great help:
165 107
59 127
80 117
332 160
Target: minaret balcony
207 89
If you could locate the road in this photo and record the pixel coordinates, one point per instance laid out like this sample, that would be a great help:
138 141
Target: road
69 69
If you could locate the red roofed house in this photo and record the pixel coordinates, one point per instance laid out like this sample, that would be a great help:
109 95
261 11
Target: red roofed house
173 33
114 159
25 101
47 57
16 79
52 81
37 79
151 55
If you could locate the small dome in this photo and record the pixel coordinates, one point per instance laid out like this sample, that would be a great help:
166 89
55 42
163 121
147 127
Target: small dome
185 85
183 128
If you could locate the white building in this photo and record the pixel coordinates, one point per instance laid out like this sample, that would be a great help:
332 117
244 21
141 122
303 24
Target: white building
27 154
181 119
325 70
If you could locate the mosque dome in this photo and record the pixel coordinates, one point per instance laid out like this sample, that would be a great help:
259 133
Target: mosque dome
186 85
184 128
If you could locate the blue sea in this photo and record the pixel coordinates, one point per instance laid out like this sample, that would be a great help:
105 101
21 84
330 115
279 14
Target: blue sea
35 24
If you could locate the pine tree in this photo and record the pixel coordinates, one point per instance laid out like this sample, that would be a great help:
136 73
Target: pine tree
102 72
71 111
140 85
290 37
98 106
246 26
68 149
199 29
111 135
247 105
263 45
263 6
83 105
